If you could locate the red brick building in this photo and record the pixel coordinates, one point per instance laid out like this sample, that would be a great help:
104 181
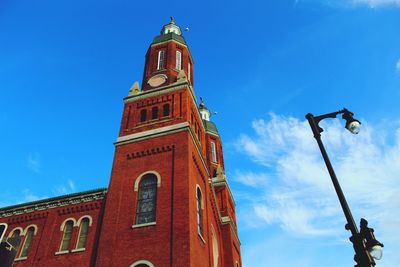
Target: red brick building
168 202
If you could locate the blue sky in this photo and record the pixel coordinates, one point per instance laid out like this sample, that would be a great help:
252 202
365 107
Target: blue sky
65 67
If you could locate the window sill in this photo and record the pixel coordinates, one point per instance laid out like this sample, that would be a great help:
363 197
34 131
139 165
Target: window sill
201 238
61 252
78 250
21 259
143 225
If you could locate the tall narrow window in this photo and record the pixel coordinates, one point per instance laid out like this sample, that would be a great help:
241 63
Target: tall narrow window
83 231
3 228
213 152
189 71
27 242
161 60
166 110
16 234
215 247
143 115
178 63
199 212
146 209
154 113
66 239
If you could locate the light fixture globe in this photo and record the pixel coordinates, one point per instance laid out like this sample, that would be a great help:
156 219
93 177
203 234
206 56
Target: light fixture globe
376 252
353 127
352 124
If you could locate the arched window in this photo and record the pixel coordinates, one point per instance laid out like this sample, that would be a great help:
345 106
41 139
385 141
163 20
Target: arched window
215 247
3 229
142 263
199 200
146 208
143 115
161 60
83 231
27 242
17 234
154 113
166 110
66 238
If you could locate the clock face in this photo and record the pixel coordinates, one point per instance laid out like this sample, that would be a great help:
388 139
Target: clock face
157 80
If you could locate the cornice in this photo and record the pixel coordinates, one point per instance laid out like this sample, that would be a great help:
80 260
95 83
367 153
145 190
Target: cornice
51 203
156 92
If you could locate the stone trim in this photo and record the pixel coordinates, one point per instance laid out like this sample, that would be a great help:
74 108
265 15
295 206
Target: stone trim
131 138
143 224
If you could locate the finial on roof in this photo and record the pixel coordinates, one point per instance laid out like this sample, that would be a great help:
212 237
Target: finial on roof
201 102
220 172
134 89
172 20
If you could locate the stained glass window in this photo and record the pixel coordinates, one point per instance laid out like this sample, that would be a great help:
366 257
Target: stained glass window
27 242
17 233
66 239
146 209
83 231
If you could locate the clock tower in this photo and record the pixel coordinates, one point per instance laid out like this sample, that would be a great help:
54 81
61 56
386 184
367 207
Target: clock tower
168 201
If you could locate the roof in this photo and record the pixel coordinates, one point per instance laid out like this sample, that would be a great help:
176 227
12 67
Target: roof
210 127
167 37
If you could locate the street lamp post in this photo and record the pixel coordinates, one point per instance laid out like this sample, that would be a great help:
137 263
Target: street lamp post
364 243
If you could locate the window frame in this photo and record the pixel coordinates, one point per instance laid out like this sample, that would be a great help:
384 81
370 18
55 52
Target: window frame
214 158
64 226
161 60
178 60
81 222
30 232
166 110
143 115
154 113
142 201
199 212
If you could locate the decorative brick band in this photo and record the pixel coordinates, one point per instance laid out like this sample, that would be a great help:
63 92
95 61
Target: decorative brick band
149 152
80 208
27 218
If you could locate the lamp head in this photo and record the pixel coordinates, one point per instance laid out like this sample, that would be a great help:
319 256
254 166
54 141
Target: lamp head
352 124
374 247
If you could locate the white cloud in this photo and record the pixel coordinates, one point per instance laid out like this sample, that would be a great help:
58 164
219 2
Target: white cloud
68 188
28 196
300 197
33 163
377 3
398 66
251 179
354 3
